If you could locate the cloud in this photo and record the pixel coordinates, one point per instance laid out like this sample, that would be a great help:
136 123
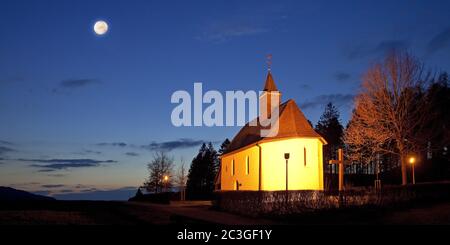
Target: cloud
81 186
342 76
305 86
53 186
66 191
77 83
87 152
225 33
4 142
440 41
132 154
74 84
120 144
56 175
171 145
58 164
4 149
46 170
337 99
381 48
390 45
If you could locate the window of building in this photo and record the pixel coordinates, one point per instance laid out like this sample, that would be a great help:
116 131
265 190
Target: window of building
247 165
304 156
232 167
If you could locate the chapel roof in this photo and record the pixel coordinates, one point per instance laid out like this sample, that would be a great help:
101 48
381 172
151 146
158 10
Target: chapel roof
292 123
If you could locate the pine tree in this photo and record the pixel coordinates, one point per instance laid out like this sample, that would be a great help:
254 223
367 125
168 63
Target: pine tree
224 146
331 129
200 183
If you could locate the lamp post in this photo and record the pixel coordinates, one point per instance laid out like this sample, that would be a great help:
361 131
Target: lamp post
412 160
286 157
165 180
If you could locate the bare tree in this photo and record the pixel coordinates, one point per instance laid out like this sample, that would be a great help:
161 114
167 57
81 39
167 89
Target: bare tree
388 111
181 179
181 175
160 173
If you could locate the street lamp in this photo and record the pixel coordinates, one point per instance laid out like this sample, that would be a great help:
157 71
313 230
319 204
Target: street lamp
412 160
286 157
165 180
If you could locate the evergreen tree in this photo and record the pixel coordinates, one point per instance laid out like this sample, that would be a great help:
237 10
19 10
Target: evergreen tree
200 182
224 146
330 128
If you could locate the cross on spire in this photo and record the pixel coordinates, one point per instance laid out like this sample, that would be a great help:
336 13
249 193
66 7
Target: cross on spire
269 62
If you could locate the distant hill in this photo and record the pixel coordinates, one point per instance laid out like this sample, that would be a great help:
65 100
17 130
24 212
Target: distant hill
121 194
11 194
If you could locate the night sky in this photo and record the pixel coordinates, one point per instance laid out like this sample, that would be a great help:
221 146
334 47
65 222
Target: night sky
82 113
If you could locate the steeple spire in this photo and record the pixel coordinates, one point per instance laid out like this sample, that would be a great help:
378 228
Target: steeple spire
270 86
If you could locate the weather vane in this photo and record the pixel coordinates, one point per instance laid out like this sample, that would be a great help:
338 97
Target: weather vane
269 61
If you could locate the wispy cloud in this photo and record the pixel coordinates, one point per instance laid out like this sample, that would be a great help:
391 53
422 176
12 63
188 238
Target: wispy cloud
56 175
4 142
5 149
88 152
74 84
440 41
246 21
77 83
46 170
305 86
390 45
381 48
53 186
221 34
132 154
120 144
341 76
337 99
59 164
171 145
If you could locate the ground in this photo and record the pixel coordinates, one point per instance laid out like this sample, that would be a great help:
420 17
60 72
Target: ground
128 213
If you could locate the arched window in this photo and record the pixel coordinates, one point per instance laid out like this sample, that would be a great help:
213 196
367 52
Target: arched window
304 156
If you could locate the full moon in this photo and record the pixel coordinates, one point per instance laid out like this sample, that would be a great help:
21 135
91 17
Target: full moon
100 27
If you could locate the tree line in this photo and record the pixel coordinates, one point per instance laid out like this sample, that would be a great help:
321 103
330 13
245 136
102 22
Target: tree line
400 112
198 181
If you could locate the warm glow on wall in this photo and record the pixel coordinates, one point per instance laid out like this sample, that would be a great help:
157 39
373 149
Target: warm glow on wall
246 166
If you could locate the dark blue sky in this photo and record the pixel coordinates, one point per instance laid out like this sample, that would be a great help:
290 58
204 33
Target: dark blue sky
71 96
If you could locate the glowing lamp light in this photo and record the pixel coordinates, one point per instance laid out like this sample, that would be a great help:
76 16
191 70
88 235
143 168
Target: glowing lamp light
412 160
166 178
